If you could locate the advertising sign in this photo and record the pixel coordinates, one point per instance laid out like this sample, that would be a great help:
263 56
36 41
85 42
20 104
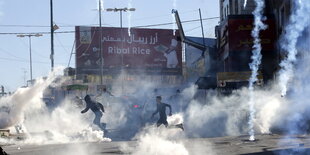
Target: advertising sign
149 51
240 38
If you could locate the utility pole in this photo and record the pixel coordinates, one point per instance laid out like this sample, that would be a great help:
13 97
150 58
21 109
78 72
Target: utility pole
52 36
100 46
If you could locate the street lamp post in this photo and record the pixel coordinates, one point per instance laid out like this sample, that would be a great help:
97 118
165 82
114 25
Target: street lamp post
52 36
121 20
121 12
30 61
121 26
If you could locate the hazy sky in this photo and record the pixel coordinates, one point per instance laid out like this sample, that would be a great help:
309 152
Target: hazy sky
25 16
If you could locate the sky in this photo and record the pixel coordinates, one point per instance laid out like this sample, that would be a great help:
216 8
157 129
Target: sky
33 16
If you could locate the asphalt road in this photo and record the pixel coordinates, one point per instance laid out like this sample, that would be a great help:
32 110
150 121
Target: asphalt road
265 144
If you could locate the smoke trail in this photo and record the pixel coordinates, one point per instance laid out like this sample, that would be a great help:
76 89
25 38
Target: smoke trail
173 18
129 16
299 20
245 3
256 59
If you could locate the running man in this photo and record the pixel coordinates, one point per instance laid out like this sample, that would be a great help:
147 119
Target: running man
161 109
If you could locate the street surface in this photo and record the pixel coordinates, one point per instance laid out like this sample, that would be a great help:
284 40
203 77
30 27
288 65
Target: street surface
265 144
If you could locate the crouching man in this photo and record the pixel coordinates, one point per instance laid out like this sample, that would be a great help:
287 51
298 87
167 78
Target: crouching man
97 109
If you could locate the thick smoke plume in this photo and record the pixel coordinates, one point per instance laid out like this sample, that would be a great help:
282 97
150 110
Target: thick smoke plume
228 115
159 141
299 20
256 58
42 125
129 17
13 107
297 106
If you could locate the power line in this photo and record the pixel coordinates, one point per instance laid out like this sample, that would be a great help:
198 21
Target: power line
187 21
68 25
141 26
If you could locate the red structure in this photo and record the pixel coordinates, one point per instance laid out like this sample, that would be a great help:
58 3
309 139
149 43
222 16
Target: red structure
235 45
151 51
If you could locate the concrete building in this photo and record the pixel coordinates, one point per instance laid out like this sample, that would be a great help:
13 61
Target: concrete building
234 40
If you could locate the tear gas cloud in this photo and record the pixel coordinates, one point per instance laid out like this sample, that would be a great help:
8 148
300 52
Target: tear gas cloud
157 141
215 116
297 96
26 109
299 20
64 124
212 116
256 59
294 75
24 98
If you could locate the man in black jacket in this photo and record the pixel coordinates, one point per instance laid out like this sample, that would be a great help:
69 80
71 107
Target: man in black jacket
97 109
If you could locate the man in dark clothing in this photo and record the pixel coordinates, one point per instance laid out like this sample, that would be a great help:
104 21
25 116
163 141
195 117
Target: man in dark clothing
161 109
95 107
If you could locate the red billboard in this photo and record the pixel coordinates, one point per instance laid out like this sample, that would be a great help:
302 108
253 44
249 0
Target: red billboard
150 51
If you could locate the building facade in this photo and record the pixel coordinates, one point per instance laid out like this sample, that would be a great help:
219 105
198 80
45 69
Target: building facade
234 40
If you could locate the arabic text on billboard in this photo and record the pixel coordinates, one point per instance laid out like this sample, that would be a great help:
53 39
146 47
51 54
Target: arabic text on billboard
152 51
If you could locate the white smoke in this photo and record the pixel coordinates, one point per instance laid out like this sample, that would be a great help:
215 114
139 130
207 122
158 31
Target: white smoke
245 3
228 115
299 20
218 116
158 141
13 107
129 17
296 105
256 59
64 124
173 17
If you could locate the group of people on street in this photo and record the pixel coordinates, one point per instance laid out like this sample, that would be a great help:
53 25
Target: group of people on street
98 109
